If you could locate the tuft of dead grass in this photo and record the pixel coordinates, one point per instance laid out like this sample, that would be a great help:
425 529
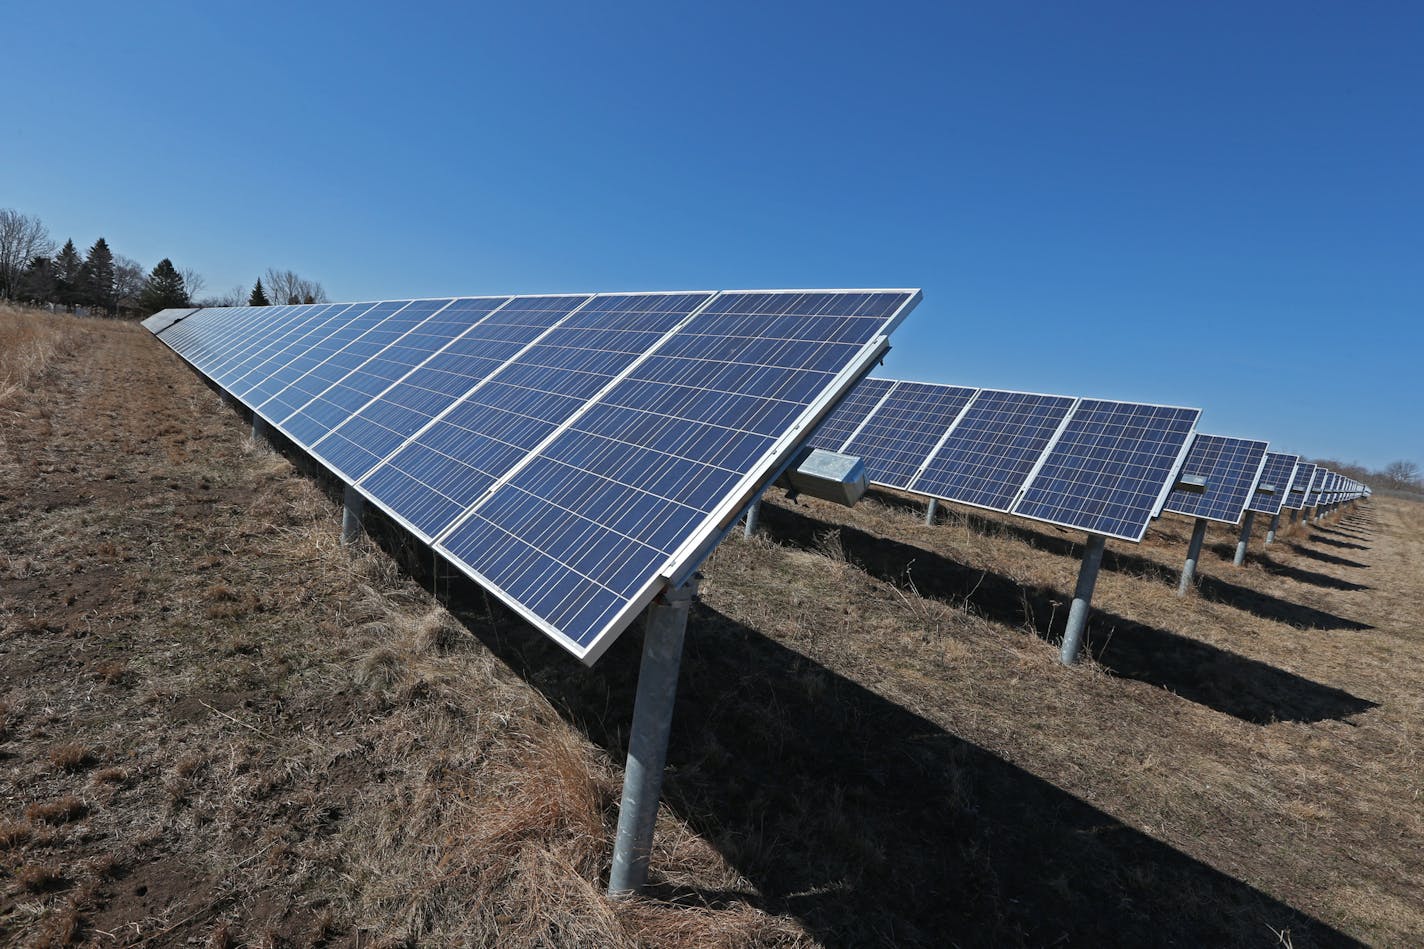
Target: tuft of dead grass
60 810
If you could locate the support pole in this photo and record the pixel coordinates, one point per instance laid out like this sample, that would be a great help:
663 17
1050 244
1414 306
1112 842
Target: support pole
1082 599
1293 514
753 516
1275 526
353 505
1189 569
1245 539
931 511
648 740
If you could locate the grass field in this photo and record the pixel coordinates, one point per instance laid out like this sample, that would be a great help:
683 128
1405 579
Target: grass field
218 727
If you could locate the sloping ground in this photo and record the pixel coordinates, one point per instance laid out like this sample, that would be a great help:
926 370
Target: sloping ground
219 727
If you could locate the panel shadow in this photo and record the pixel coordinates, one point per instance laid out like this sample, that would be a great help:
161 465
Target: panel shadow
1321 538
873 825
1328 558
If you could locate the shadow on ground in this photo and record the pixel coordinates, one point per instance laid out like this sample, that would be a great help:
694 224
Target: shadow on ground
1321 538
1327 558
874 825
1245 688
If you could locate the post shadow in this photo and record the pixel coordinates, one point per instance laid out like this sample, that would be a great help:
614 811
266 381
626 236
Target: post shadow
1244 688
1331 541
1328 558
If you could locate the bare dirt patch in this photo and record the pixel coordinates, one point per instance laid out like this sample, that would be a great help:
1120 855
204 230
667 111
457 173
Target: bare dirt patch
255 736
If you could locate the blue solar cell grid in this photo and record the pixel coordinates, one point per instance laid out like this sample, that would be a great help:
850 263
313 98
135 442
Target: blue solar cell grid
1230 467
1110 467
656 460
990 453
1278 471
378 429
907 426
849 413
1300 486
437 475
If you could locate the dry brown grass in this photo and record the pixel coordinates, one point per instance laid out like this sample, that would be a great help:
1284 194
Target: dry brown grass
30 342
873 744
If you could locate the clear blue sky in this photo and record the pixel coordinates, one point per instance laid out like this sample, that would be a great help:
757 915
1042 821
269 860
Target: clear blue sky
1217 205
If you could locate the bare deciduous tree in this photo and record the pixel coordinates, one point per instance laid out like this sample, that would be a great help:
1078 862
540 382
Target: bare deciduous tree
129 277
237 296
285 286
22 239
1403 475
193 282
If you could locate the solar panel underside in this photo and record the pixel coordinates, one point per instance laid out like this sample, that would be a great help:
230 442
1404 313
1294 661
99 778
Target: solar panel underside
849 414
1300 486
1278 475
1231 467
1110 469
573 453
900 434
989 454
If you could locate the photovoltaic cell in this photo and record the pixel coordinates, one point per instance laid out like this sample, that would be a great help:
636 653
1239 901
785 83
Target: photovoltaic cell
1277 473
848 415
1110 468
380 428
447 467
1300 486
902 432
654 460
1230 467
990 453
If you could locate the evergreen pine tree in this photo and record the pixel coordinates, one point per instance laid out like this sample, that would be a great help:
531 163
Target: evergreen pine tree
258 297
98 291
163 289
68 273
37 283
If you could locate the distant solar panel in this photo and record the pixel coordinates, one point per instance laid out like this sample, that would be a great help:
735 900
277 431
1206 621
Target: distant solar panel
848 416
1110 469
160 321
1230 467
904 428
1317 487
1278 474
1300 486
986 458
573 453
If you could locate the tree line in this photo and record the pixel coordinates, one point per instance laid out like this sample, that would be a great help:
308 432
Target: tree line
36 271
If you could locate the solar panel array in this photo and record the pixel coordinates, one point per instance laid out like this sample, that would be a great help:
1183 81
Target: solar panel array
1100 466
1300 486
574 453
1231 468
1110 470
1278 474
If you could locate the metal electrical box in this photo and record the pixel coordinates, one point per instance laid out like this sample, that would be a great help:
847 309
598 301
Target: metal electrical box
828 475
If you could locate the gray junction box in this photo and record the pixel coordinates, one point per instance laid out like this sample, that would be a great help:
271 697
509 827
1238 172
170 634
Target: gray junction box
828 475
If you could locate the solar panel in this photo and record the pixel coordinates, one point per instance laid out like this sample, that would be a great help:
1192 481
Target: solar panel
162 320
573 453
988 455
904 429
1110 468
1300 486
850 414
1231 467
1316 487
1278 473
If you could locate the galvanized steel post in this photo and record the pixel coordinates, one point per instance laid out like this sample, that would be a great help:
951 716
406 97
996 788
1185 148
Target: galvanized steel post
1189 569
753 516
1245 538
352 506
1082 599
931 511
1275 526
648 740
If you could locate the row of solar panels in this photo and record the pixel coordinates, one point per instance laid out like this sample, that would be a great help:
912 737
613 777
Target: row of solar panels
574 454
1107 468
